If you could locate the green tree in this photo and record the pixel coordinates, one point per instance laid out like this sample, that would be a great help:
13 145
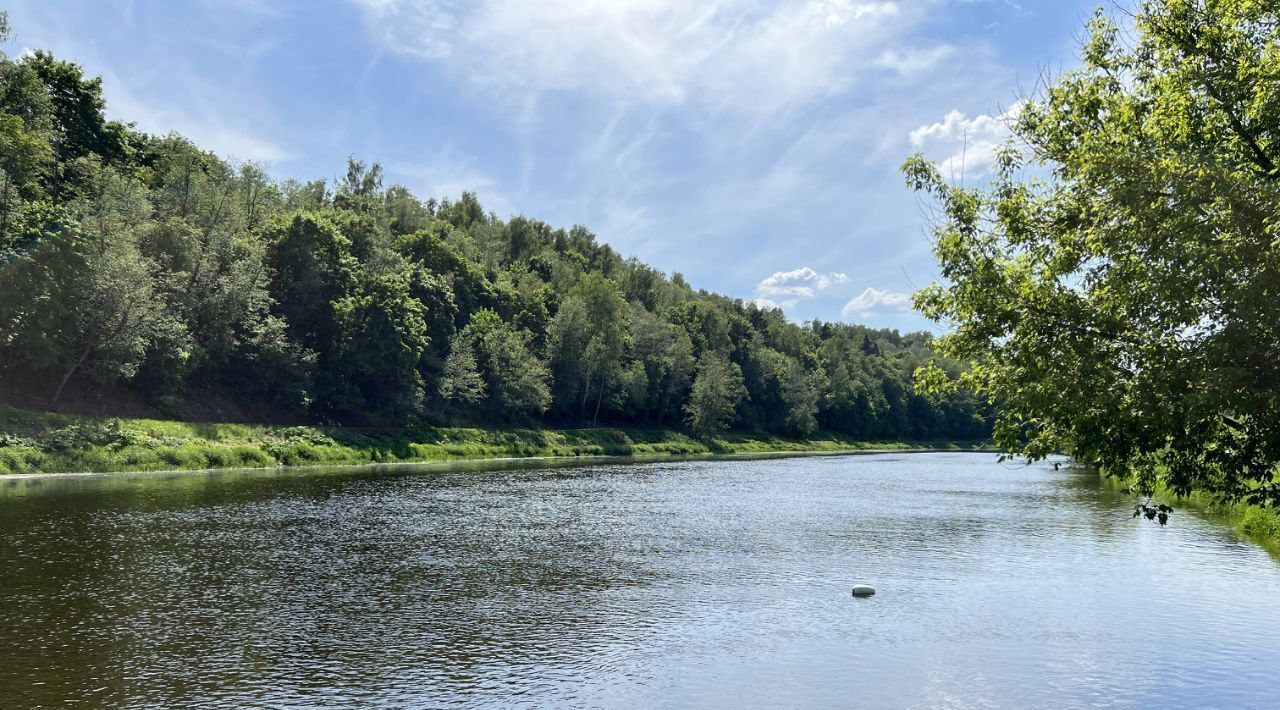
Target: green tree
74 301
1123 308
383 338
664 355
80 127
461 382
311 268
515 380
718 389
588 341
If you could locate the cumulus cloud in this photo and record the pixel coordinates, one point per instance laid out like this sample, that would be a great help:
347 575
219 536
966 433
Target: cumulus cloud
873 301
970 144
731 54
784 289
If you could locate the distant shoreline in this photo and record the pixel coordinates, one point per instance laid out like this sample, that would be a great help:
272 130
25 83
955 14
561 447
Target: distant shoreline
42 444
585 459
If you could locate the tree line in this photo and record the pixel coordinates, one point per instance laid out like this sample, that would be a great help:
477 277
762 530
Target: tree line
143 261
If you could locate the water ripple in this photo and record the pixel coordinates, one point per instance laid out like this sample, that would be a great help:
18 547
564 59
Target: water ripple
706 584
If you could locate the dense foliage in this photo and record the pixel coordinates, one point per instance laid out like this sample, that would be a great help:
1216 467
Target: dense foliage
1124 306
143 261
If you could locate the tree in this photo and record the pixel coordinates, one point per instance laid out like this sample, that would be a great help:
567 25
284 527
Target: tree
80 128
515 380
210 268
383 338
664 355
72 301
717 391
1124 307
800 396
112 315
588 340
461 382
440 313
311 268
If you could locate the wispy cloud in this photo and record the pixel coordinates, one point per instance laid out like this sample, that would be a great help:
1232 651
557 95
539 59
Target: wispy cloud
914 61
729 55
447 174
874 302
207 129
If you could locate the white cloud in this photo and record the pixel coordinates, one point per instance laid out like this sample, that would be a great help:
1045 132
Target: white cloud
732 54
785 289
971 144
873 301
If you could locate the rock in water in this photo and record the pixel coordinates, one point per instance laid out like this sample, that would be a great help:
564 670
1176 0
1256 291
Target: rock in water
863 590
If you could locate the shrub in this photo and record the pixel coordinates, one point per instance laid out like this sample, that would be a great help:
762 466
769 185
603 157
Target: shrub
1261 522
21 459
83 435
8 440
252 457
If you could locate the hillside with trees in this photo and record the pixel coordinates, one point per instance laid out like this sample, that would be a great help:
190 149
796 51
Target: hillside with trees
144 264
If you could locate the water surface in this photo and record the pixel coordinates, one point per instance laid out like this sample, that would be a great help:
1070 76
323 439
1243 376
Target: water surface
700 584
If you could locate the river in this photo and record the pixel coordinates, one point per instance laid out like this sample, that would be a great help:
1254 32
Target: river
683 584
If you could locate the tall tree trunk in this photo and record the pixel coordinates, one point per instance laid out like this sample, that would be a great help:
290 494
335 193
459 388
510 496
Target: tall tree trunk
71 370
666 401
599 396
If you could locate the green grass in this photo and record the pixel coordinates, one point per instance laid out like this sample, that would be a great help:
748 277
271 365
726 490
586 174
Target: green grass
43 442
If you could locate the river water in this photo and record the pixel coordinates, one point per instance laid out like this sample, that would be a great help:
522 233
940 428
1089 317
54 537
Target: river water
696 584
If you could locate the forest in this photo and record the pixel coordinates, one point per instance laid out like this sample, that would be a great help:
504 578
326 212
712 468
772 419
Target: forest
143 264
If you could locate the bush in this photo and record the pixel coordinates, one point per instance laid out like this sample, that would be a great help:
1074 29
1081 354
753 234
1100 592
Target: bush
1261 522
8 440
138 457
252 457
21 459
83 435
306 435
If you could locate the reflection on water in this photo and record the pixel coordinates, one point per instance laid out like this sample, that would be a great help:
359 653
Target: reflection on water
712 583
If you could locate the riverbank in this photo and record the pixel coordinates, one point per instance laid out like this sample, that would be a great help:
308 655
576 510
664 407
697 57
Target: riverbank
42 442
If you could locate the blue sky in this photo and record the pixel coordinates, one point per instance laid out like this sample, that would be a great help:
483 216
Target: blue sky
751 145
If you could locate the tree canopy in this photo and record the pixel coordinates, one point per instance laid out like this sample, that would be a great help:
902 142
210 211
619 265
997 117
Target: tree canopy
1116 285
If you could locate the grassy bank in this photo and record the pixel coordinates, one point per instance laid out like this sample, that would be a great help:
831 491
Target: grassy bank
42 442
